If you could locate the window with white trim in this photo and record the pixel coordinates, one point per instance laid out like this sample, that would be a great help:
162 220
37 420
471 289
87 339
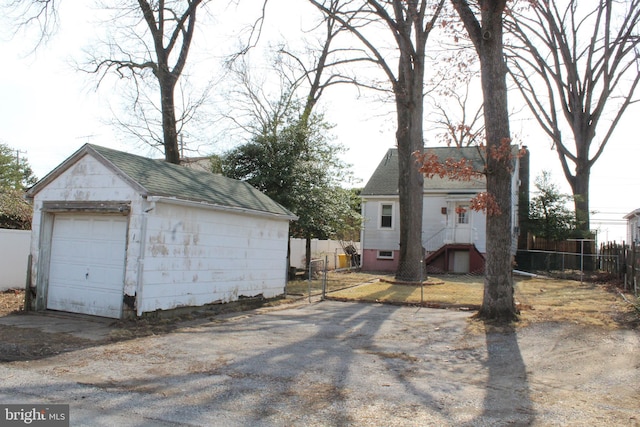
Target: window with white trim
462 212
386 216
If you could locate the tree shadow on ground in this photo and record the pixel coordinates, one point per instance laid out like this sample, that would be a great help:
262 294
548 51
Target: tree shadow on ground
325 364
507 400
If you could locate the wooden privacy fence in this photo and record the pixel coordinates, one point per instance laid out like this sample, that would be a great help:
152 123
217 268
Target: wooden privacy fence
575 246
556 256
622 261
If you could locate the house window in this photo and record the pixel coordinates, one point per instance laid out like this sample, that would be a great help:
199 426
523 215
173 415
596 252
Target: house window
385 254
386 216
462 212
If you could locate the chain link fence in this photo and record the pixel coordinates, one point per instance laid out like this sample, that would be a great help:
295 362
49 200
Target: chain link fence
415 272
320 277
569 265
547 261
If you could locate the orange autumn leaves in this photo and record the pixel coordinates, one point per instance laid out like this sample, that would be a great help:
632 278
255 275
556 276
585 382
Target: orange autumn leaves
463 170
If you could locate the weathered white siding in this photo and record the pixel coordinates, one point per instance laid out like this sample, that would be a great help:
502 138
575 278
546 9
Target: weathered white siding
194 256
633 228
14 256
85 181
433 221
175 253
479 221
375 236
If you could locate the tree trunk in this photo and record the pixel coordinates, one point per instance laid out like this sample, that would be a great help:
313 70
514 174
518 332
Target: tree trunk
307 253
169 127
410 188
409 106
498 302
580 189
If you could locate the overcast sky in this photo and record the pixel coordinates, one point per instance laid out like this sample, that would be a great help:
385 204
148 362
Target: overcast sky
48 110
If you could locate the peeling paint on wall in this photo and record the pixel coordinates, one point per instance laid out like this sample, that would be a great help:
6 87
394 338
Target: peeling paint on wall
157 245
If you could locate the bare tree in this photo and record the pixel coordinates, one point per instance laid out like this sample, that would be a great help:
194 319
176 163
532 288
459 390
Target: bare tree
161 33
456 115
163 43
142 115
410 23
150 48
577 67
24 15
483 21
289 119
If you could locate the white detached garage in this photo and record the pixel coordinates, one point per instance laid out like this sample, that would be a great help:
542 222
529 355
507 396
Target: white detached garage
119 235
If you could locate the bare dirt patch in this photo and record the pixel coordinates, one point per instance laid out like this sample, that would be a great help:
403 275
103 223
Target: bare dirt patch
25 344
20 343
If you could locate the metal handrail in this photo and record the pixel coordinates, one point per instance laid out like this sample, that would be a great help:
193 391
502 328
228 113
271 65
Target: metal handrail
429 245
437 240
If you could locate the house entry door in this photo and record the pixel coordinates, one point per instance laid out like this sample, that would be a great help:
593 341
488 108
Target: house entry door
462 223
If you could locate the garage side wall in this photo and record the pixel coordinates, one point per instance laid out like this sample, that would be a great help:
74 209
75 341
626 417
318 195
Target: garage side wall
195 256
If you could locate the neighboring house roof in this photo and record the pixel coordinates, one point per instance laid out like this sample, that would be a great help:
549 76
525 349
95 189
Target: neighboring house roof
384 180
158 178
197 163
632 214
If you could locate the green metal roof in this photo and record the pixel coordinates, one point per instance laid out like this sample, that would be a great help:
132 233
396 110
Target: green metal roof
159 178
384 181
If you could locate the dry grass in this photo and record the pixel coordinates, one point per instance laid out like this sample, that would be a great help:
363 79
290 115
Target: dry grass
335 281
11 301
569 300
539 299
441 292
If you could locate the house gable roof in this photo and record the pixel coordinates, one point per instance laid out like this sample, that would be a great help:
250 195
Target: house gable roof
158 178
633 214
384 181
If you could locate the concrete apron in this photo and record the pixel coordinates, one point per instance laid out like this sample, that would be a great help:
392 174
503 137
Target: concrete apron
78 325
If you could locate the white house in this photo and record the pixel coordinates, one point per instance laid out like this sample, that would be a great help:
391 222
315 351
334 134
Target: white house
119 235
633 227
453 235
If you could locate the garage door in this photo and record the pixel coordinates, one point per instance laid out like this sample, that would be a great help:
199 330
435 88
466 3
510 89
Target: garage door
86 271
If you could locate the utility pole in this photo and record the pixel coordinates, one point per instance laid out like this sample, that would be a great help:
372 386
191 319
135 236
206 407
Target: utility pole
18 152
18 169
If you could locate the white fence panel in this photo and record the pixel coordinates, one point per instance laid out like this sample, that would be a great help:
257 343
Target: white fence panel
14 256
332 249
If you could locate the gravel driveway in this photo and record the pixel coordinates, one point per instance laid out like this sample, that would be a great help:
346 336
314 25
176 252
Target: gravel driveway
338 364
